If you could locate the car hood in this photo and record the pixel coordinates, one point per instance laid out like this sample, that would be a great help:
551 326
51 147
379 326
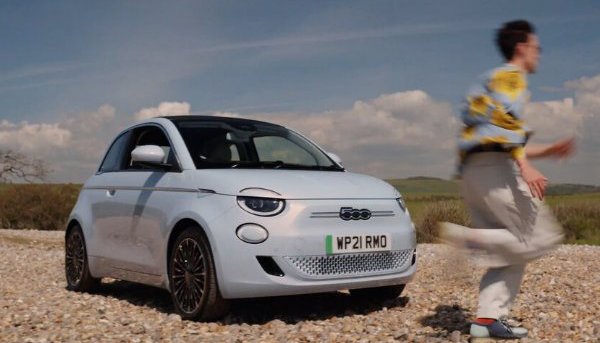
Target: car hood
294 184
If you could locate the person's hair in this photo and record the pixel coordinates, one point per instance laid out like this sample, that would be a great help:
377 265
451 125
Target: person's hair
510 34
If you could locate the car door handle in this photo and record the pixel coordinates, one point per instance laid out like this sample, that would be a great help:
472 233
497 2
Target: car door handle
111 192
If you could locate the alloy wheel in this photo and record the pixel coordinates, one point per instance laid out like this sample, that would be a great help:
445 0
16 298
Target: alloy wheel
75 258
189 275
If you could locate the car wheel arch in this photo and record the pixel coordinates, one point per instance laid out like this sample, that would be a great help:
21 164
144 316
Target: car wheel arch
181 225
70 227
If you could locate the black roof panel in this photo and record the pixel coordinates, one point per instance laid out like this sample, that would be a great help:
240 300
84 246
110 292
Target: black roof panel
229 120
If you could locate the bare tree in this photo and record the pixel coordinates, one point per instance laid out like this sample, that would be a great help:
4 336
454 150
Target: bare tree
15 166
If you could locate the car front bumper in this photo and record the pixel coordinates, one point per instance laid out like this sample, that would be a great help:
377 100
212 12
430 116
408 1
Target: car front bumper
294 258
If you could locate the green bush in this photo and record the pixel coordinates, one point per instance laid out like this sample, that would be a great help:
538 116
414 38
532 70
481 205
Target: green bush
36 206
439 211
47 207
580 218
581 222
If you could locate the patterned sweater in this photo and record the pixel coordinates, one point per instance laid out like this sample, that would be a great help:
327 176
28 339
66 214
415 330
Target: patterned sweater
492 114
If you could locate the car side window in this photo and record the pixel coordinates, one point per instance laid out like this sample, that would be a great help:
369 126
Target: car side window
113 161
151 135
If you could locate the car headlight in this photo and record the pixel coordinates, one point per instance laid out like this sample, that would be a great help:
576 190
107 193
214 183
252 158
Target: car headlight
401 203
264 207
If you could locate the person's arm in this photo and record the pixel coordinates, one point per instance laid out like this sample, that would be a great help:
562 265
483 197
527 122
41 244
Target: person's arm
536 181
559 149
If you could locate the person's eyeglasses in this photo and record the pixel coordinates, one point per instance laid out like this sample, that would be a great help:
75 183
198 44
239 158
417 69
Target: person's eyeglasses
536 47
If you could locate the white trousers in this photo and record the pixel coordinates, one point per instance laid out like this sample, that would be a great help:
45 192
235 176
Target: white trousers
509 226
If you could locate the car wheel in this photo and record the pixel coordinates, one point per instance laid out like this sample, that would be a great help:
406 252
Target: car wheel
77 270
378 293
193 279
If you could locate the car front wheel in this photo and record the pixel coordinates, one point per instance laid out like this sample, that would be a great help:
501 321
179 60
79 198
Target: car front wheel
77 270
193 278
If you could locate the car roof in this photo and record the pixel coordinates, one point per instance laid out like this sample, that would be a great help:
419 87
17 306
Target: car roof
229 120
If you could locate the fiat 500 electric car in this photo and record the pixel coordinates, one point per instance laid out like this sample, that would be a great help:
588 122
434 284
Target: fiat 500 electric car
214 208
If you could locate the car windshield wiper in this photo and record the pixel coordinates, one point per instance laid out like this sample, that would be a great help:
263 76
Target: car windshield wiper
256 164
282 165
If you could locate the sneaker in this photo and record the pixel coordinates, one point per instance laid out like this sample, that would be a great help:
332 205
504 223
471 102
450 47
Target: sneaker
498 329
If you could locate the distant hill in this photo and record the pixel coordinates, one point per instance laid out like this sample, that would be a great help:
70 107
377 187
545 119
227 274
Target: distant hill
432 185
422 184
570 188
424 178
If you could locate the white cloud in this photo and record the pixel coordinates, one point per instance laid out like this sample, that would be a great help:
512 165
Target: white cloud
578 116
376 136
410 133
92 131
585 84
72 146
227 114
587 107
5 124
409 119
29 138
553 119
164 109
393 135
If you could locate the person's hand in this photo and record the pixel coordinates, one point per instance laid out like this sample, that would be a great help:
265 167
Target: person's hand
536 181
562 148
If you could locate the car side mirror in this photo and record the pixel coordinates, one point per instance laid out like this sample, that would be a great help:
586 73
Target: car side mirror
151 154
335 158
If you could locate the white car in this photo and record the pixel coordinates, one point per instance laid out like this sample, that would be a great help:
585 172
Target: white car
214 208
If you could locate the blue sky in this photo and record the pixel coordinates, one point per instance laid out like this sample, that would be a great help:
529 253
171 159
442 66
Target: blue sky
64 58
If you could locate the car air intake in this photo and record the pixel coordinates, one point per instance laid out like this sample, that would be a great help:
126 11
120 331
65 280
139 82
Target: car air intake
269 265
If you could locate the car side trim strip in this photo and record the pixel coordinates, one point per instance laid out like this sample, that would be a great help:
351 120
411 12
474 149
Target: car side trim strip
160 189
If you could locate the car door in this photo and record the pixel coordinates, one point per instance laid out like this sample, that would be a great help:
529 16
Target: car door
129 203
145 196
107 239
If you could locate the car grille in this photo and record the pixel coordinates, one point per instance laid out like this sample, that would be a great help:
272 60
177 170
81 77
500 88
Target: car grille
351 265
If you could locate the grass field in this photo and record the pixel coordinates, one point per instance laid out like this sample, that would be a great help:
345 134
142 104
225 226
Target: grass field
429 200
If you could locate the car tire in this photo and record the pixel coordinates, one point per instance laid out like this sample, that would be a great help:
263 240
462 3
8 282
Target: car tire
378 293
77 270
193 278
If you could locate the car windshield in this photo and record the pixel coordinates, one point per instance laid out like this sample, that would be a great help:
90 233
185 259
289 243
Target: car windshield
216 144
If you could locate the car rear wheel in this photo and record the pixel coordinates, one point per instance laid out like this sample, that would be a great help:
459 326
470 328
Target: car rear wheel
77 270
378 293
193 279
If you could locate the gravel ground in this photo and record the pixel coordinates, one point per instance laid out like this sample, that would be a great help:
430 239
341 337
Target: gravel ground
558 303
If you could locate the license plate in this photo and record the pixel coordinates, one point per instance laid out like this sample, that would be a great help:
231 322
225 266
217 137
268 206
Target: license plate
341 244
